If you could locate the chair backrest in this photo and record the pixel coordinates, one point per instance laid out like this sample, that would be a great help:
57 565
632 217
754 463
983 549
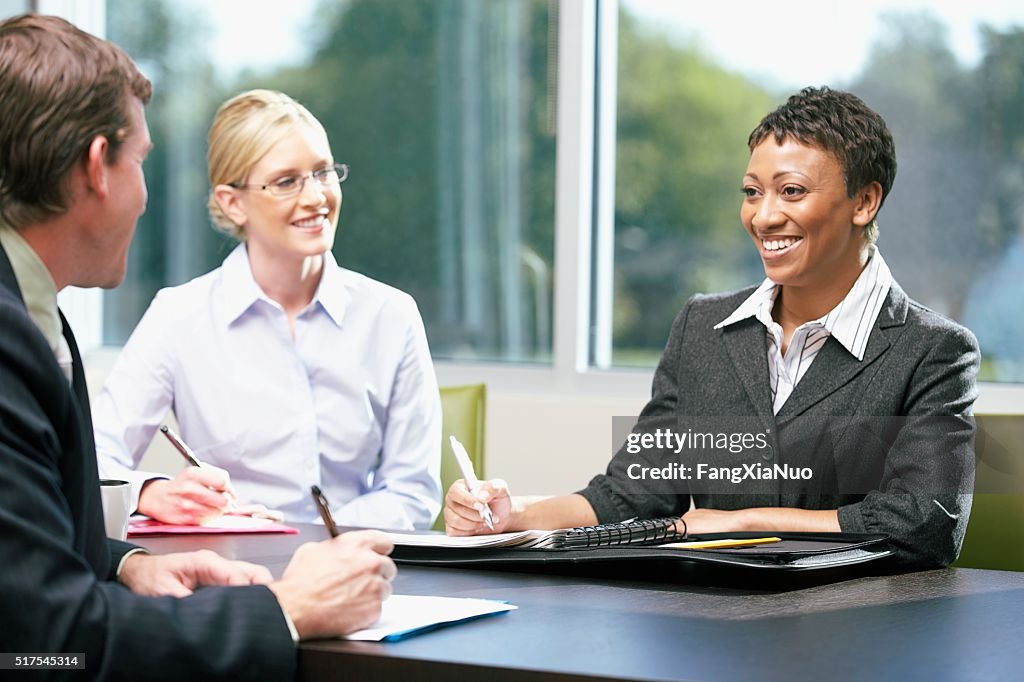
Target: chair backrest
995 534
464 409
995 531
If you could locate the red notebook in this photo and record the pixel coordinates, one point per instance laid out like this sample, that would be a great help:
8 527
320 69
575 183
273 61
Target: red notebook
140 527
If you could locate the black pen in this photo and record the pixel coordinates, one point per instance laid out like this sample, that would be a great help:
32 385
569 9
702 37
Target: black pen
325 510
180 446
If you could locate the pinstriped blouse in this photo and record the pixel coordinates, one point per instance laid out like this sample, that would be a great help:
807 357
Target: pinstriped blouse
850 322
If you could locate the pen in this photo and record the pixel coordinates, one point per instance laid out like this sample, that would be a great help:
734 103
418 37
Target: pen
320 500
721 544
180 446
191 458
466 467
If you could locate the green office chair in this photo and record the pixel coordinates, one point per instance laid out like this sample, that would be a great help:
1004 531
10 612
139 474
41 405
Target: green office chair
463 409
995 533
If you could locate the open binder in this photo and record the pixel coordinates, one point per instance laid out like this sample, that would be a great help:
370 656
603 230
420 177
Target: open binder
633 532
794 552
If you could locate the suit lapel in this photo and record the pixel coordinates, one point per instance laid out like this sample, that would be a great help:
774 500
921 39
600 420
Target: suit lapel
835 367
746 343
77 463
7 278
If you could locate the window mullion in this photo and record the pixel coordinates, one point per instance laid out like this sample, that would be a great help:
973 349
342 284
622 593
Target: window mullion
574 186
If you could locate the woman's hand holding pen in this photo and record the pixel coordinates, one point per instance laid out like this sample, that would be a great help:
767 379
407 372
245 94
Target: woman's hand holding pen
462 508
197 494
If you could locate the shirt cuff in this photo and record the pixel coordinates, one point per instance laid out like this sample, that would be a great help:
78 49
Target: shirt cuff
291 625
120 564
139 481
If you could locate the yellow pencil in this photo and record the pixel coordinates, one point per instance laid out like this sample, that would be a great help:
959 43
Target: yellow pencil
719 544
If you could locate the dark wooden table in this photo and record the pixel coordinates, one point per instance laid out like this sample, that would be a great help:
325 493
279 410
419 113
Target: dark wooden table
682 623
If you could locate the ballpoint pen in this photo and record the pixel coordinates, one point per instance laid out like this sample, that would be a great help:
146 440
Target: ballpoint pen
191 458
466 467
320 500
180 446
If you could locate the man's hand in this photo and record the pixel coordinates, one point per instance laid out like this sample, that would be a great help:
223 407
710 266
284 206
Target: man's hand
336 587
179 574
195 495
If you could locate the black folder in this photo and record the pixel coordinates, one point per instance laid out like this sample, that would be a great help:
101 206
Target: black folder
795 552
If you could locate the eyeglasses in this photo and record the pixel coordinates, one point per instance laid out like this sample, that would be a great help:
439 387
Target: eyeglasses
291 185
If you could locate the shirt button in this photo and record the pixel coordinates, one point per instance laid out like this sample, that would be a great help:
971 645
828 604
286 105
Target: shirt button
766 455
309 464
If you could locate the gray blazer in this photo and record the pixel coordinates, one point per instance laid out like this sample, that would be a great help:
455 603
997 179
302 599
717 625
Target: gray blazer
889 439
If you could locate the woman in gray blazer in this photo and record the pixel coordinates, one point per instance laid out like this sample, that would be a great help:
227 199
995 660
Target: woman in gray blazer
823 399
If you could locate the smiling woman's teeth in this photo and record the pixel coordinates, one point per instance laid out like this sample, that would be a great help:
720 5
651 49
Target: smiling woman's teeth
310 222
778 244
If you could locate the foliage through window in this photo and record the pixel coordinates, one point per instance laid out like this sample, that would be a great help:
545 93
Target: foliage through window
693 80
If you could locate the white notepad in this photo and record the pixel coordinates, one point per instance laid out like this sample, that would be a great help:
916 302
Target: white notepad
406 615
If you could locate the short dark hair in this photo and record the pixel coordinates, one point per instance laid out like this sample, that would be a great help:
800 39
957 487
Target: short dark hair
60 87
839 123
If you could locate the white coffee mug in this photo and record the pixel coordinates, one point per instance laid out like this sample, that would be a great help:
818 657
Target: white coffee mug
117 498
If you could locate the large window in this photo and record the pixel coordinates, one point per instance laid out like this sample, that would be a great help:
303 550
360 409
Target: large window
444 111
450 113
693 80
10 8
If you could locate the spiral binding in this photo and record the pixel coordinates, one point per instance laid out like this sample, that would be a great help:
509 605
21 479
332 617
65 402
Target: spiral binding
647 532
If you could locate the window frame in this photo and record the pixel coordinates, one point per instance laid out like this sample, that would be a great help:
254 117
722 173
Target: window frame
584 229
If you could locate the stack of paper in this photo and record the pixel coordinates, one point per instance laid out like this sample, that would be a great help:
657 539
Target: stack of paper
631 532
523 538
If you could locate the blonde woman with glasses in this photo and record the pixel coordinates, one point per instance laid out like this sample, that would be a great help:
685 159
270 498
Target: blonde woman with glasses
283 369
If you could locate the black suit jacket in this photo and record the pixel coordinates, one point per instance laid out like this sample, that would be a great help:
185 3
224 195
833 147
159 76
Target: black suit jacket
889 439
58 592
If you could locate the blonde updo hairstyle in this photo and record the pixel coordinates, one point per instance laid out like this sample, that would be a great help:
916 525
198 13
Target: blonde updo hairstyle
245 128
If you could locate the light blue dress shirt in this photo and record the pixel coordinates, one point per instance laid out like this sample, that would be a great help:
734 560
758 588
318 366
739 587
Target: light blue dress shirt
351 404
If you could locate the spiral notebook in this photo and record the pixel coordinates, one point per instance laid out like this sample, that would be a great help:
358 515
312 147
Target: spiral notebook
647 532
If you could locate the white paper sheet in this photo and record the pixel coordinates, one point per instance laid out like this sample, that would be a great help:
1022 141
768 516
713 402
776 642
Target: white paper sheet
407 615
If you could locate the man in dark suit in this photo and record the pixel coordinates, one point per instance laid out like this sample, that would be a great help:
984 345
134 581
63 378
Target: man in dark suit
74 136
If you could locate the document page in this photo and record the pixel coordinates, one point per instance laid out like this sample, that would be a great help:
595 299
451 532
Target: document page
522 538
406 615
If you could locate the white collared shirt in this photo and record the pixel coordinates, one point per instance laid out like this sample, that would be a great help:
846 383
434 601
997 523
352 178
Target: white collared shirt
351 404
850 322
